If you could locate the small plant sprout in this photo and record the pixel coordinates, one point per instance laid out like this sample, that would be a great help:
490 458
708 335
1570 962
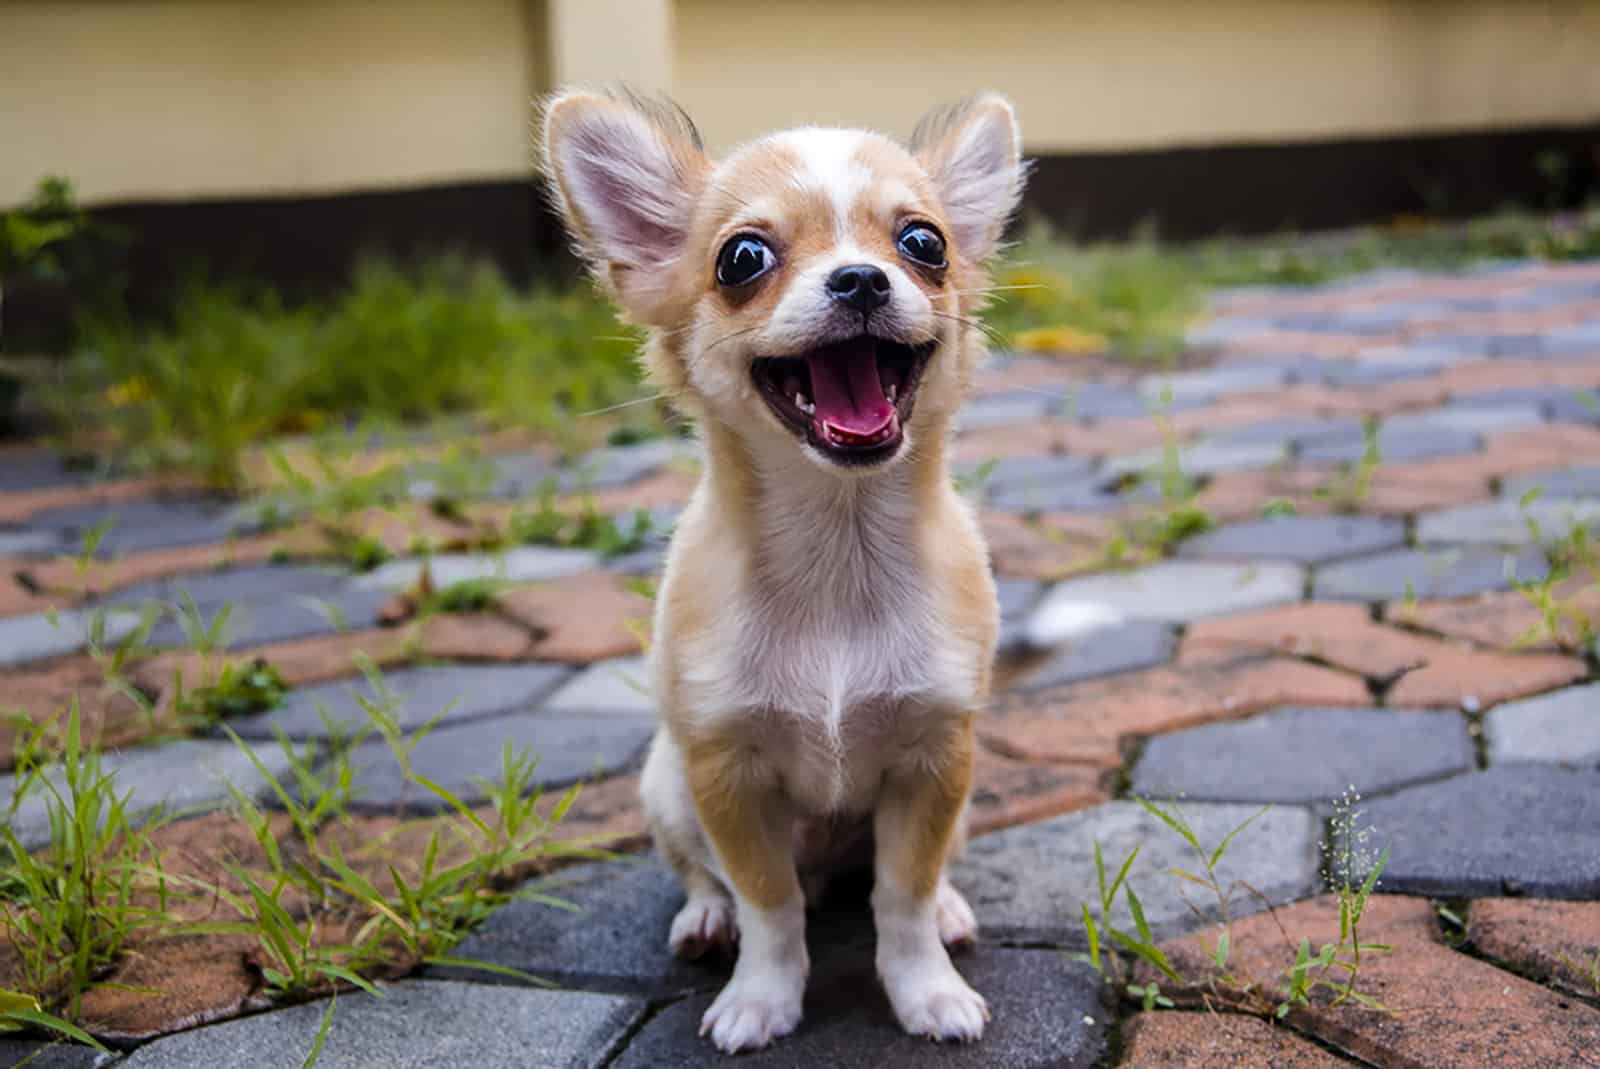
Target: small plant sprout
1349 490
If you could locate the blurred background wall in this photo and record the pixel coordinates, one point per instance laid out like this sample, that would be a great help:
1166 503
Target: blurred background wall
281 136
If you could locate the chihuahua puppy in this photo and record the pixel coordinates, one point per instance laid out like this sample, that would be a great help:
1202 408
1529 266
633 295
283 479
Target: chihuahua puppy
826 624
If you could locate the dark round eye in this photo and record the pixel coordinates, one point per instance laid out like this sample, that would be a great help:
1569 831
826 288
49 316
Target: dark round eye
742 260
922 243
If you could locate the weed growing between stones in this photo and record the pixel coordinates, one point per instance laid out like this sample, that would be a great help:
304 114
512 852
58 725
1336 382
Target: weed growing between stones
68 907
1156 534
544 523
1330 972
1587 971
1348 490
1558 597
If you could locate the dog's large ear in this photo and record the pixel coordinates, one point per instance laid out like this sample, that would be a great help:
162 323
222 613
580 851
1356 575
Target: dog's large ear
973 152
624 171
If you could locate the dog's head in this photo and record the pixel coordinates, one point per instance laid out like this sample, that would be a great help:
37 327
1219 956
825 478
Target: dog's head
815 288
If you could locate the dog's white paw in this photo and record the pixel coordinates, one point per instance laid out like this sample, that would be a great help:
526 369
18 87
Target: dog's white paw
756 1007
936 1002
958 928
704 923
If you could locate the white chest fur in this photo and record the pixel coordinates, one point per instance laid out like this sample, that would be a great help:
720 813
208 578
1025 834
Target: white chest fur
831 646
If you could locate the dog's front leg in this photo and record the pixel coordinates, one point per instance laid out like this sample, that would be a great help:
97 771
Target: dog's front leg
914 828
750 826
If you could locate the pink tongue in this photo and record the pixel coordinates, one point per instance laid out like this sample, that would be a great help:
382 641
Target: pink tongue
846 390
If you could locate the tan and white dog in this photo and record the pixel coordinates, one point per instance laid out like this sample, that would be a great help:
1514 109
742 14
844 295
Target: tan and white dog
825 628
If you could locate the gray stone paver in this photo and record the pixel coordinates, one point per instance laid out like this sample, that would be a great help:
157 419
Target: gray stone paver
1047 1011
244 583
1201 458
1022 474
417 1024
620 686
1212 383
35 636
185 774
1002 410
1017 598
1423 443
1555 483
1563 725
28 543
1123 647
136 526
1175 591
1484 419
1027 883
16 1053
279 620
415 696
1508 523
1426 573
569 747
1289 431
1510 830
1299 539
1304 755
517 565
615 941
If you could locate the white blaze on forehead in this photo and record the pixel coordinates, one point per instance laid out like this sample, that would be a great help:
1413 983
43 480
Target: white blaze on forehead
830 165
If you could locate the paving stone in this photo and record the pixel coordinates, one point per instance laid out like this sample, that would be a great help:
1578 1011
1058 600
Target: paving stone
1447 1010
615 940
38 469
1426 573
618 687
569 747
1175 591
280 619
1168 1039
1582 481
1022 474
1017 598
1582 338
1027 883
418 1024
1539 938
16 1052
1304 755
1508 523
1211 383
1200 458
1418 670
1225 331
581 619
1394 445
186 774
1513 829
451 693
140 525
1563 725
39 635
1575 406
1088 494
1100 401
517 565
1047 1011
1289 431
1105 651
1300 539
1003 410
238 584
1474 419
26 543
622 464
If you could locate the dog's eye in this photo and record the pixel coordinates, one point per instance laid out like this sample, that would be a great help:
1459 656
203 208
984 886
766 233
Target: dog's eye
922 243
742 260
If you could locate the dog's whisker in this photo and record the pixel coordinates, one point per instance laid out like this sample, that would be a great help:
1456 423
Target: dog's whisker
623 404
729 337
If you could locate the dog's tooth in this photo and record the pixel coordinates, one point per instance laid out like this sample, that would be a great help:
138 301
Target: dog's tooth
891 392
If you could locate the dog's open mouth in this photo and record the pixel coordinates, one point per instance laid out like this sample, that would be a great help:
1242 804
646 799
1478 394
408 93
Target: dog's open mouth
850 399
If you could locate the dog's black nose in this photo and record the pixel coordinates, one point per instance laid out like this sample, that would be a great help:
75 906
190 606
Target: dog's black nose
860 286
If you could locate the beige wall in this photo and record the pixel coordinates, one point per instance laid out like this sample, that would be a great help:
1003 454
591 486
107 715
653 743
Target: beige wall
148 99
185 98
1120 74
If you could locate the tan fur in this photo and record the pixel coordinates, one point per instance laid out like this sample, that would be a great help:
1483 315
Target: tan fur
823 636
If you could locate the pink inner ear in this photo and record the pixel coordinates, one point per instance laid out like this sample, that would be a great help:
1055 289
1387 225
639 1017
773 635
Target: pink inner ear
627 188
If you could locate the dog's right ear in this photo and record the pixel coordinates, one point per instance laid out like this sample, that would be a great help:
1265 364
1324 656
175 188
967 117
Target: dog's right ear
625 172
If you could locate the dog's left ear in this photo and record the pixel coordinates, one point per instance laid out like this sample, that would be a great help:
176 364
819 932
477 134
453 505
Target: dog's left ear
973 152
625 171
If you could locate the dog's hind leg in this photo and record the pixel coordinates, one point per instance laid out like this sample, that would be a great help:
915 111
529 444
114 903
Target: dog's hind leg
706 922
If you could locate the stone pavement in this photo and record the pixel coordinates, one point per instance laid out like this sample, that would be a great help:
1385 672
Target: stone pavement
1365 632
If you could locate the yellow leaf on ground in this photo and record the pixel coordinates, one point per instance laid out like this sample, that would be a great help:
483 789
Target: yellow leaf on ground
1063 339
